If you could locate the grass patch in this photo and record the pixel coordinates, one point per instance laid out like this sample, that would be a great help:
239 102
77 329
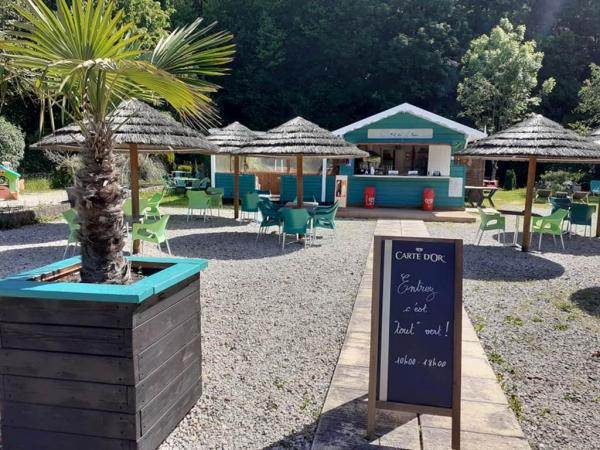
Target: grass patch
515 404
496 358
38 184
537 319
514 320
562 326
544 412
565 306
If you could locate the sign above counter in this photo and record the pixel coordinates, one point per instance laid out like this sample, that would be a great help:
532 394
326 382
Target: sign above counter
400 133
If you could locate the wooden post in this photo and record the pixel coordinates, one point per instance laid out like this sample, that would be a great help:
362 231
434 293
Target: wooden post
299 181
236 187
598 220
528 204
135 191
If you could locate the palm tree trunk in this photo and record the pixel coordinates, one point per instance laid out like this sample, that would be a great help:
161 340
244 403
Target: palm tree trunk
99 200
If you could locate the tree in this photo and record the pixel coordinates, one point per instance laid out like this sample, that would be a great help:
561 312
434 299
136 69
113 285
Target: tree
84 60
12 143
589 99
500 74
151 19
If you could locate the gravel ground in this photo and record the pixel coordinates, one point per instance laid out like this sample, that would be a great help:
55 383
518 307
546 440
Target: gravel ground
538 316
273 324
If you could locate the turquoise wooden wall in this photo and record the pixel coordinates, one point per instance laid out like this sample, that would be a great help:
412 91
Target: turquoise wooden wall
311 188
405 192
441 135
225 181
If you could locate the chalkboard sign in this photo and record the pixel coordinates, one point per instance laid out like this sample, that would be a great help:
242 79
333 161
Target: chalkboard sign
416 335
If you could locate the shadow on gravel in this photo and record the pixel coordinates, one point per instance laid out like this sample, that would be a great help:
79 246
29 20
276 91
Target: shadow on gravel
18 260
179 222
344 427
41 233
574 245
231 245
491 263
588 300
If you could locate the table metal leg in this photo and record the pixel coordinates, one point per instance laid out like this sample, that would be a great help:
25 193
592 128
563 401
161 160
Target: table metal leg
517 227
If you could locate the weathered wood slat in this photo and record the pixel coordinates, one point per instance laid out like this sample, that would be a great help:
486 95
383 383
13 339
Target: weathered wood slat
165 299
27 439
152 439
70 339
158 380
67 420
155 355
67 366
163 401
75 394
163 322
93 314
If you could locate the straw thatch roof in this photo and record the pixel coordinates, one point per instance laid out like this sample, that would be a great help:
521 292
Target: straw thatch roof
231 138
535 136
136 122
301 137
596 135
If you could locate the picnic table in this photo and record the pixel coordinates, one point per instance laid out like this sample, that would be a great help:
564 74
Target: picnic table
476 195
518 213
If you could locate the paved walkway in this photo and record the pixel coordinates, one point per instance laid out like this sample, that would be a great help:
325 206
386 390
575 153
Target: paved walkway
487 421
406 214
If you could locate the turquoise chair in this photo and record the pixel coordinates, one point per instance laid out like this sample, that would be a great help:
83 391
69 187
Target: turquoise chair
216 198
198 200
559 203
581 214
154 203
595 187
200 185
154 232
270 218
490 221
250 203
552 225
295 221
70 217
324 217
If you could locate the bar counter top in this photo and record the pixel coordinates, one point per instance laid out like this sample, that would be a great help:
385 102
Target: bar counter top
404 177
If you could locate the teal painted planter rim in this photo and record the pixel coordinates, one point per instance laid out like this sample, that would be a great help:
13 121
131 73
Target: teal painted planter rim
22 286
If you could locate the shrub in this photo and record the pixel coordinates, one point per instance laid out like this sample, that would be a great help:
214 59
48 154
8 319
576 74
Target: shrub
510 180
184 168
559 180
150 169
12 143
64 174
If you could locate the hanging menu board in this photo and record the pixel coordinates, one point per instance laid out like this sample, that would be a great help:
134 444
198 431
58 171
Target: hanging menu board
416 326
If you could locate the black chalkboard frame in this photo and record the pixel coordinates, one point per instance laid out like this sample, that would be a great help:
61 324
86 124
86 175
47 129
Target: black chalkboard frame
373 403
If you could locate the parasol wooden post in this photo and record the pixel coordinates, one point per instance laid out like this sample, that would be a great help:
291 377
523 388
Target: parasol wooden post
528 204
236 187
299 181
598 220
135 191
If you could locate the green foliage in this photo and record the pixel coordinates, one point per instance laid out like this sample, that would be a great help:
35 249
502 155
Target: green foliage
151 170
589 98
499 77
510 180
559 180
37 184
12 143
151 19
64 174
184 168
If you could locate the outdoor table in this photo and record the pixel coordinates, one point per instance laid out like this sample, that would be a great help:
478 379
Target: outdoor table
518 213
476 195
309 206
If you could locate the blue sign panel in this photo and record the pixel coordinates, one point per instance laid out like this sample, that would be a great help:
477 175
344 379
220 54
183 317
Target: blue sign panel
417 297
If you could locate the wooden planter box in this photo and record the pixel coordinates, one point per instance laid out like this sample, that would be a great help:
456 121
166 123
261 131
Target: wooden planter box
89 367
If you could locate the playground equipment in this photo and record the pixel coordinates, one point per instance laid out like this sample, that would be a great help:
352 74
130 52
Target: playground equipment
10 183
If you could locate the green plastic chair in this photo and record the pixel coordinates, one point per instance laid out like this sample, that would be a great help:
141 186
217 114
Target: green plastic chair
154 232
552 225
295 221
200 185
129 215
324 217
490 221
216 198
250 203
70 217
154 203
581 214
270 218
198 200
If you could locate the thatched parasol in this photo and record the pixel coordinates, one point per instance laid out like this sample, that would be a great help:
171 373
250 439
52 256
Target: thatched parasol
138 128
300 138
230 139
535 139
595 136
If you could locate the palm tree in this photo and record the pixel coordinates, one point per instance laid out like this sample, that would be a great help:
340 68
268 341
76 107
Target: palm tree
83 61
